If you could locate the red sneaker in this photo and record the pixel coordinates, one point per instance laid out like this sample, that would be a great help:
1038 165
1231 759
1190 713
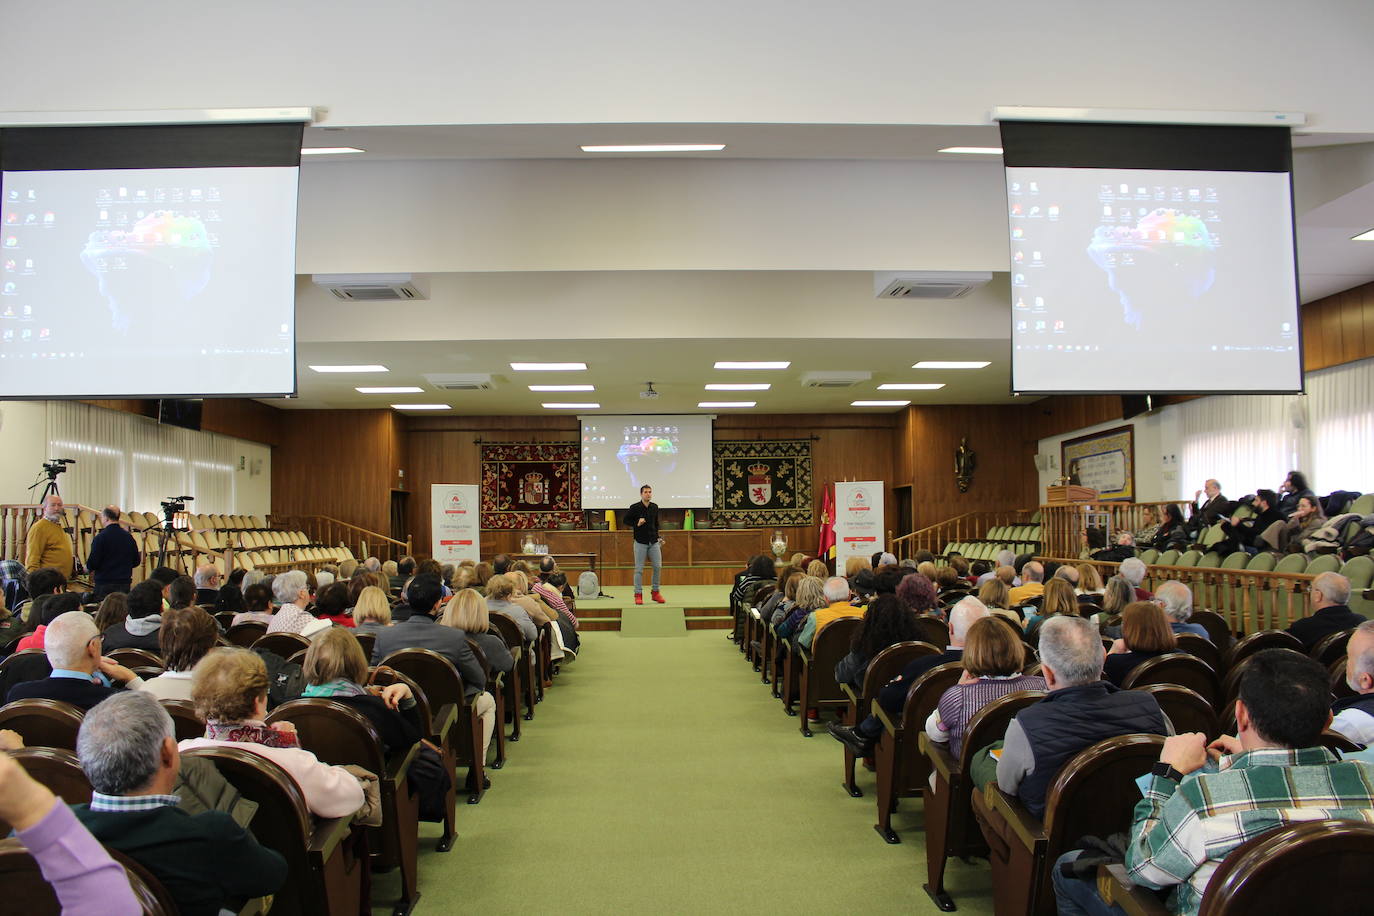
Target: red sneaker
658 597
639 599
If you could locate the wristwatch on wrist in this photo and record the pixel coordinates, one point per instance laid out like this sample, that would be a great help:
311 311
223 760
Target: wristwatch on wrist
1167 771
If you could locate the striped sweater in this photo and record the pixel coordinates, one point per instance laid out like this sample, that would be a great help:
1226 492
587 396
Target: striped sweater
962 701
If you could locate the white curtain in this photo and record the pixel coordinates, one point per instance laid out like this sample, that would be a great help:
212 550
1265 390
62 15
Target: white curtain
1340 426
1243 441
136 462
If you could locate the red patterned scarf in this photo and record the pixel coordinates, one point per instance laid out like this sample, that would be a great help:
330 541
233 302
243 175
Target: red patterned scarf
250 733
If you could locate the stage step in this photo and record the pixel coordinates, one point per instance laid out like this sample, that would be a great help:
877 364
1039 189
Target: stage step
696 618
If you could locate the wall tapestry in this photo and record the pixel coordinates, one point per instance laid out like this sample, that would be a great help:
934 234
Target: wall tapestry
763 483
531 485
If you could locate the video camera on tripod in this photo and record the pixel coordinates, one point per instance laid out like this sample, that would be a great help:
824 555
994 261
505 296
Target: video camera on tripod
171 506
54 466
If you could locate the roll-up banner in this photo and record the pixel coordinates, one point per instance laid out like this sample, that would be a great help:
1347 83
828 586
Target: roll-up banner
858 520
455 530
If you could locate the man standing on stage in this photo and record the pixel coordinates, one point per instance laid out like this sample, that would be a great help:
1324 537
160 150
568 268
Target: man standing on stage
642 519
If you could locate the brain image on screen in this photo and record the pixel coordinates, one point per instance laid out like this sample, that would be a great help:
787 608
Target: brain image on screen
1158 268
148 271
649 458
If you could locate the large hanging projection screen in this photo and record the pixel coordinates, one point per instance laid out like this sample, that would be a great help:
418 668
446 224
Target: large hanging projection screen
672 454
148 261
1151 259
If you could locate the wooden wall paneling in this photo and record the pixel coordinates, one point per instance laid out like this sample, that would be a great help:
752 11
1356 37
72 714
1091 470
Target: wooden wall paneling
335 463
243 419
1338 328
1352 325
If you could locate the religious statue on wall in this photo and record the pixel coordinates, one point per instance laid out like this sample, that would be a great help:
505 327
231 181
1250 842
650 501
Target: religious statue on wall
965 462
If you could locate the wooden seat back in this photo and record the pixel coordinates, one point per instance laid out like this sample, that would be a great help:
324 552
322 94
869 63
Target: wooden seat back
245 634
435 674
889 663
1203 648
1216 627
508 630
185 720
1230 687
43 723
24 665
1258 642
367 640
1332 647
142 662
1307 867
1177 668
23 881
1186 709
934 631
902 768
55 768
283 644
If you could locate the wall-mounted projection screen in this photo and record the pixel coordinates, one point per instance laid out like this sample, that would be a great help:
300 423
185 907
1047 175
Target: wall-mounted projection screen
1151 258
672 454
152 261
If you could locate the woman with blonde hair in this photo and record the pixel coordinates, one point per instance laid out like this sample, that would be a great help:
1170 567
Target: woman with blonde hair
539 612
371 612
346 568
336 668
995 596
467 611
854 564
501 600
818 569
810 597
1089 579
1057 599
229 689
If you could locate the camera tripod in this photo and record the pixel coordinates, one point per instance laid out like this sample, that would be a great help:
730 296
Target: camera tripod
50 489
167 545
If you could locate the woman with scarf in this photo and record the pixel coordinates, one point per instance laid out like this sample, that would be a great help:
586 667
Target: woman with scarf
229 689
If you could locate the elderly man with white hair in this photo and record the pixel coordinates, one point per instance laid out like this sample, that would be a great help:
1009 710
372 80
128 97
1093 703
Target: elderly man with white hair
1032 584
372 565
1133 571
1080 710
965 613
1329 594
80 674
291 589
207 584
1354 715
837 592
1177 601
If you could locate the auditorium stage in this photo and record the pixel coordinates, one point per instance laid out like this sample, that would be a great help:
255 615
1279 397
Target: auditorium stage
699 607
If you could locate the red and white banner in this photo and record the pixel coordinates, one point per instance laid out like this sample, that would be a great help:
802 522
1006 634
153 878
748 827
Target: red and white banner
454 524
858 520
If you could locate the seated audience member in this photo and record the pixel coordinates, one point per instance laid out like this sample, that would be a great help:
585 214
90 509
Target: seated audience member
293 594
467 611
980 571
331 604
405 569
993 658
1302 524
996 597
1254 533
808 594
182 592
501 594
335 668
229 599
80 675
421 630
139 629
371 612
1354 715
1089 580
928 569
164 576
1124 549
372 565
1202 801
853 564
1115 597
229 688
759 573
539 612
323 579
86 880
128 752
257 603
1177 601
114 554
1069 574
1004 558
1133 571
1294 489
207 584
917 595
391 573
114 608
1007 576
818 569
836 591
1145 634
961 568
950 584
892 697
1149 526
1328 595
886 623
1208 506
44 581
1058 599
1081 710
45 610
481 573
923 556
185 636
1033 583
862 587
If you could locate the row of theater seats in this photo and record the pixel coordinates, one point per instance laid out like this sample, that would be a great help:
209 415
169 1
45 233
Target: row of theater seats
1095 794
329 861
1018 539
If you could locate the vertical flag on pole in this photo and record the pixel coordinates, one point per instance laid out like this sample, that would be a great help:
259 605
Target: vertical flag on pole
826 550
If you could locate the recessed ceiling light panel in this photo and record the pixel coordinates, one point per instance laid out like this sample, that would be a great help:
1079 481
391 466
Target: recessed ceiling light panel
398 389
727 403
911 386
369 368
1363 237
656 148
570 405
952 364
549 367
421 407
330 150
726 364
973 150
743 386
562 387
878 403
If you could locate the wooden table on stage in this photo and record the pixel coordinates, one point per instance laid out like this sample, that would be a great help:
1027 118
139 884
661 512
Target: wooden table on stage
573 560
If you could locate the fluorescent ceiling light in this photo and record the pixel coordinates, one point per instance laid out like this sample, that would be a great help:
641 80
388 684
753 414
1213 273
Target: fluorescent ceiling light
373 368
754 365
421 407
878 403
549 367
974 150
743 386
569 405
657 148
726 403
911 386
562 387
952 364
399 389
330 150
1364 237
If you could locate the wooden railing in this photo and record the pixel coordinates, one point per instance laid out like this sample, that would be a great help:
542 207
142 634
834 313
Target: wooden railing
1062 524
969 526
1249 599
325 530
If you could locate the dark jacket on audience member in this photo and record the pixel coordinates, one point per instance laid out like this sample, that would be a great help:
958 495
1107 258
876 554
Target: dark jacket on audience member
203 860
495 650
1312 630
398 729
1117 667
206 595
77 691
421 631
1114 554
119 637
893 696
1247 532
114 554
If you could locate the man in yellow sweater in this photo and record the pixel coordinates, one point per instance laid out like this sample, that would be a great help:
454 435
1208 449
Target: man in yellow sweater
837 593
48 542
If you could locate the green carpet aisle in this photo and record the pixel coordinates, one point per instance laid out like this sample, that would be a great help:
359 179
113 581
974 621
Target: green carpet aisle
659 776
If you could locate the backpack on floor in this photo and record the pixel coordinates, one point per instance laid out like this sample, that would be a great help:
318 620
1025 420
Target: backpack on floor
285 680
588 586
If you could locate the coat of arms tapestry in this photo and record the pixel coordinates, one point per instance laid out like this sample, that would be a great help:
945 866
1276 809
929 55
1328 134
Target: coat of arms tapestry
763 483
531 484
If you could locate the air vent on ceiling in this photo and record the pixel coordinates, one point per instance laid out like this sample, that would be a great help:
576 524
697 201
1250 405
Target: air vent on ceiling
470 382
924 284
370 287
834 379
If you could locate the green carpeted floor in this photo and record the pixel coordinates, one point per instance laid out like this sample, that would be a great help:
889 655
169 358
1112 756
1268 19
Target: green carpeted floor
659 776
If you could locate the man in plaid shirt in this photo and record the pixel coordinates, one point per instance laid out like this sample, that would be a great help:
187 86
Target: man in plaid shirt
1194 812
